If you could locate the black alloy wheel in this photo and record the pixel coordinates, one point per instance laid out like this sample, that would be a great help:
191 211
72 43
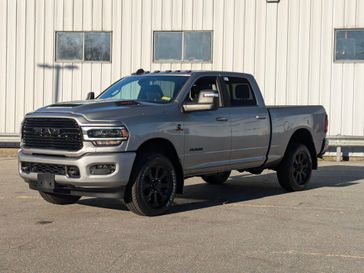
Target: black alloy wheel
152 186
301 167
157 185
295 170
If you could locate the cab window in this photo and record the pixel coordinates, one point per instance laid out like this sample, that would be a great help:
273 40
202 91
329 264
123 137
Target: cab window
240 91
210 83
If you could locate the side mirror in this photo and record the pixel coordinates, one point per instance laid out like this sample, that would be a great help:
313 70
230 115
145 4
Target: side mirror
90 96
208 100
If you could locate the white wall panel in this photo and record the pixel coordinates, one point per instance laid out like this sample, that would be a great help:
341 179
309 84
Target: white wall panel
348 74
260 38
327 53
337 75
77 93
20 63
3 68
292 51
48 64
107 26
270 53
29 56
67 68
303 51
288 46
315 53
39 54
358 101
10 98
281 58
58 67
87 67
249 36
116 39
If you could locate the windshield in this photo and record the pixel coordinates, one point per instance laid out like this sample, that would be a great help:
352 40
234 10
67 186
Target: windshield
157 89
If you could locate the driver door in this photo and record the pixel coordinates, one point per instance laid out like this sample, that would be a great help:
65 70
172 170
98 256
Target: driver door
207 133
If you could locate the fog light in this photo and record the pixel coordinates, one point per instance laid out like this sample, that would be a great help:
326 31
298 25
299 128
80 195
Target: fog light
73 172
102 169
25 167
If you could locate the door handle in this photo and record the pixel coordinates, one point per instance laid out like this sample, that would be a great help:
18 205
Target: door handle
260 117
221 119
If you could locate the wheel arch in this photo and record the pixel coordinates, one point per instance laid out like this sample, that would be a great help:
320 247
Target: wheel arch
304 136
165 147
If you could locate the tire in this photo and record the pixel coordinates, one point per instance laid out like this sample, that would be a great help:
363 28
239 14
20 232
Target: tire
295 170
217 179
59 199
152 186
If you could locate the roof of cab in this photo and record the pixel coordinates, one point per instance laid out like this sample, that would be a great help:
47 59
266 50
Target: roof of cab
140 71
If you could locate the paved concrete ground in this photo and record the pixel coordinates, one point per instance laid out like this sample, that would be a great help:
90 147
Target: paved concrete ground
247 225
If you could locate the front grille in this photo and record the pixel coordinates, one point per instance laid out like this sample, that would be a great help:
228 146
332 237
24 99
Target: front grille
28 167
57 169
52 133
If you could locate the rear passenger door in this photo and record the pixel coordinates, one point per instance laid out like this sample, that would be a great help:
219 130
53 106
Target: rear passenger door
249 124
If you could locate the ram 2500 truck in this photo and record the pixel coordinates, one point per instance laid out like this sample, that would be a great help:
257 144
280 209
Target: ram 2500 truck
141 137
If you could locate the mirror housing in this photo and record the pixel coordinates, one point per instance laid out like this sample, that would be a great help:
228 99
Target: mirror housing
90 96
208 100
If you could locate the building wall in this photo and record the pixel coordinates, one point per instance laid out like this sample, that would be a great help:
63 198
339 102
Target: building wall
288 47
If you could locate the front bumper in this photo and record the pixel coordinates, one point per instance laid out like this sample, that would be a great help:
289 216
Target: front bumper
119 178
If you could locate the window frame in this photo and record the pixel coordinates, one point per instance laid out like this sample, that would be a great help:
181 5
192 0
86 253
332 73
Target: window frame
83 46
335 45
221 89
160 61
228 96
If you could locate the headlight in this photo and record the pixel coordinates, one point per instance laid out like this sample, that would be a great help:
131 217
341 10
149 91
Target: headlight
108 133
107 136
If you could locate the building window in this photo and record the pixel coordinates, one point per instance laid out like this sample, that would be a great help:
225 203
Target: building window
182 46
349 45
74 46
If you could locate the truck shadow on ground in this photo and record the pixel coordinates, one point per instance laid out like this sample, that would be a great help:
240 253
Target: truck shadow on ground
242 188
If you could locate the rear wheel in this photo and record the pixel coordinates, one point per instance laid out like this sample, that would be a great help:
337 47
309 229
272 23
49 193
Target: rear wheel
153 185
59 199
218 178
295 170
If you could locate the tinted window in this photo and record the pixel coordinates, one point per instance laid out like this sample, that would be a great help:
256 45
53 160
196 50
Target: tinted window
97 46
240 91
197 46
69 46
349 45
167 45
205 83
158 89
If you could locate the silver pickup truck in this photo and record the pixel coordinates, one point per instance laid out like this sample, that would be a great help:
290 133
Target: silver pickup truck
141 137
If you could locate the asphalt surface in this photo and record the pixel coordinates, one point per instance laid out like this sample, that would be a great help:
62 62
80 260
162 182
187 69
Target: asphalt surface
246 225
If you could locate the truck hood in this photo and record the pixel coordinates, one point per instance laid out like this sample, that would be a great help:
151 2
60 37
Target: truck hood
95 110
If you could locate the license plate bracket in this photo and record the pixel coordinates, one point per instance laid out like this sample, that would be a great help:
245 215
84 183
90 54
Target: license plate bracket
46 181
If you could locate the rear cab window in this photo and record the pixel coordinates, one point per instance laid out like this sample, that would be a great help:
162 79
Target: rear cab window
239 91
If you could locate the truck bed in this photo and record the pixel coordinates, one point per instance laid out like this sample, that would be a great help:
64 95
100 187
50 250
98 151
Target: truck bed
285 120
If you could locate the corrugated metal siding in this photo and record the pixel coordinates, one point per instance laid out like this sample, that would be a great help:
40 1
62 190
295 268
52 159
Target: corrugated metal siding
288 47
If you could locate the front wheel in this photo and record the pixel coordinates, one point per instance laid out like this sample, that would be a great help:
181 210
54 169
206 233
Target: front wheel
59 199
218 178
153 185
295 170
